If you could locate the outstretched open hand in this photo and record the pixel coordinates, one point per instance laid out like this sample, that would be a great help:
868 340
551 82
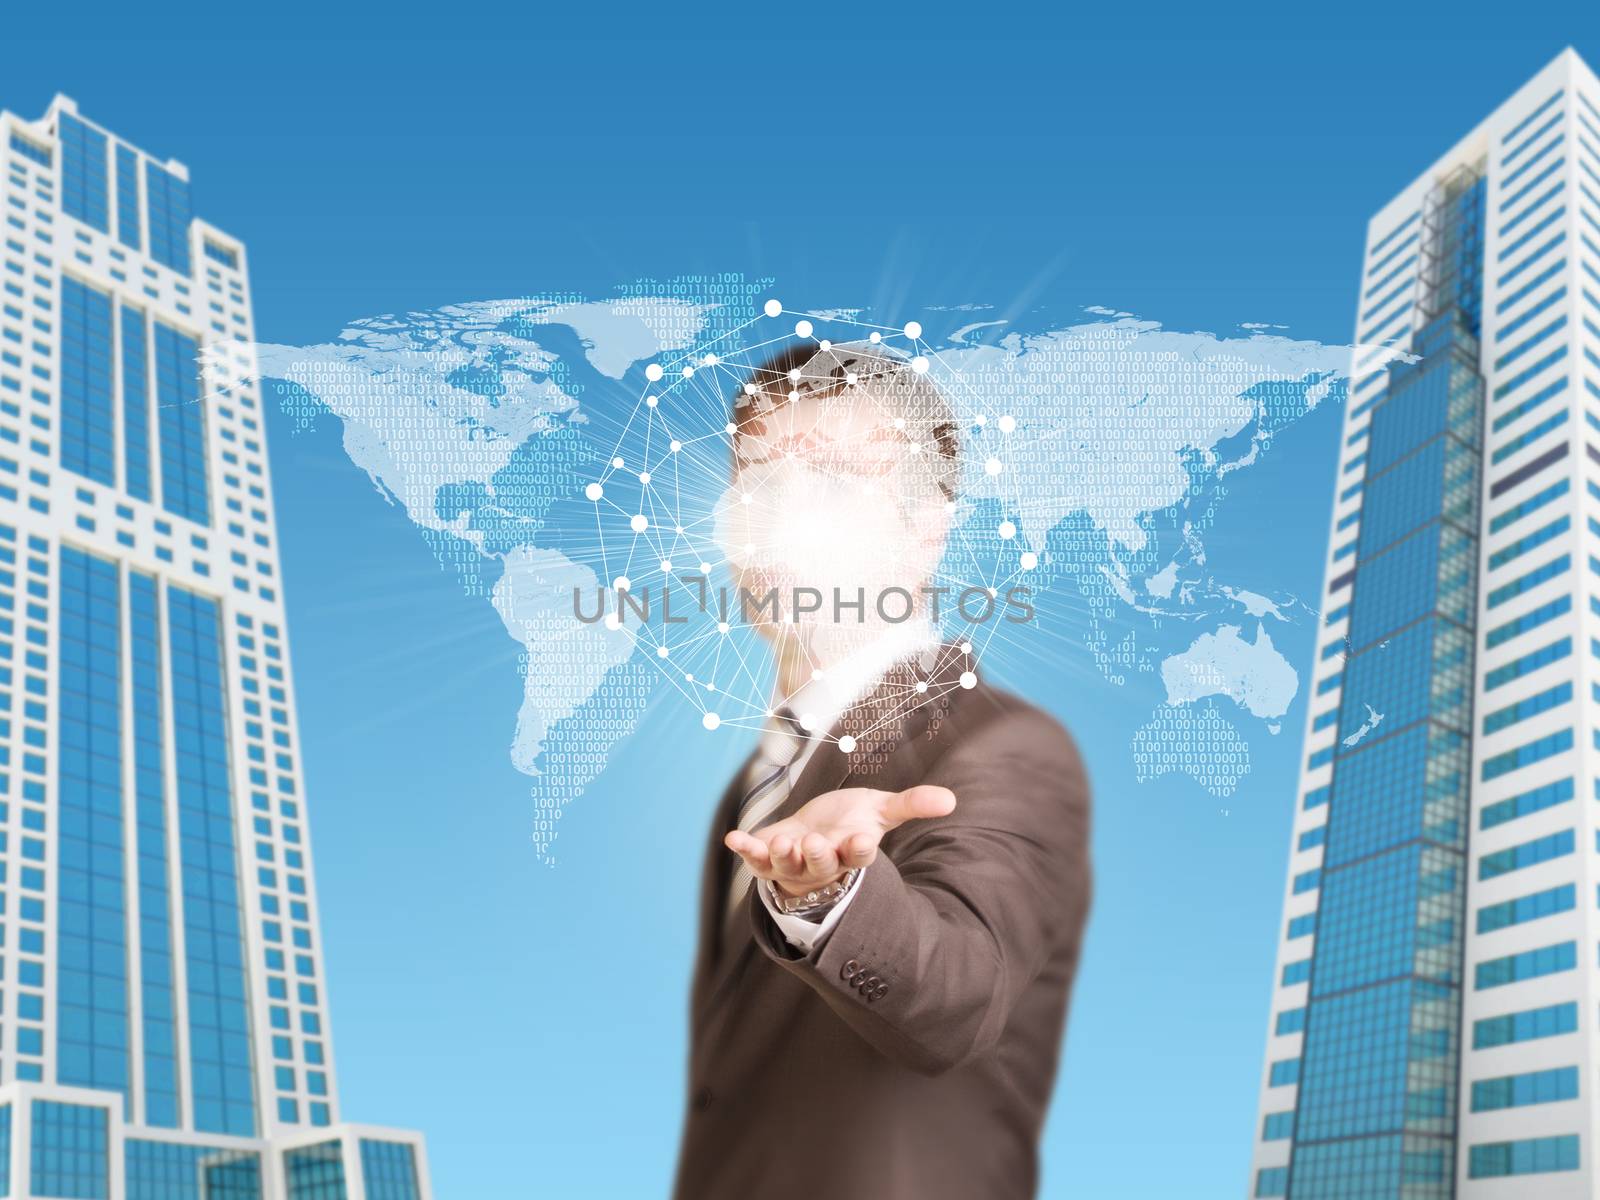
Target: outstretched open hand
833 833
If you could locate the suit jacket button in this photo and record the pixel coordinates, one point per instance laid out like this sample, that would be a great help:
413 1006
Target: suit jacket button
702 1099
849 969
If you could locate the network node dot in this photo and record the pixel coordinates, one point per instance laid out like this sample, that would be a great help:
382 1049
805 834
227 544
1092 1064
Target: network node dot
875 337
675 445
966 647
653 372
969 680
651 401
922 686
1030 560
919 364
847 744
661 651
1007 423
678 529
613 622
688 372
666 566
617 462
826 344
621 583
711 720
899 422
722 627
807 721
705 568
851 378
730 427
746 498
772 308
980 420
750 389
992 467
639 523
594 491
1008 530
710 360
802 328
644 476
794 372
688 676
913 329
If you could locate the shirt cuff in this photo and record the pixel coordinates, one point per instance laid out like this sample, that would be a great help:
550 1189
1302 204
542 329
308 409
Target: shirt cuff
803 932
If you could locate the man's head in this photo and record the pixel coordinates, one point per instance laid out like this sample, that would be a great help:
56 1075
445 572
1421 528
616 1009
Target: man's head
845 472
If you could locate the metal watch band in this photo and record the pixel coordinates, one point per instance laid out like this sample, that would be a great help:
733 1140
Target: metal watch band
810 902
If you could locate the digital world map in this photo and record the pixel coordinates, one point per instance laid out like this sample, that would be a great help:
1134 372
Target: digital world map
544 445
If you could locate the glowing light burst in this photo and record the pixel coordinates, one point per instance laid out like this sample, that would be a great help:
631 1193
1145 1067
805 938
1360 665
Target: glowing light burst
674 539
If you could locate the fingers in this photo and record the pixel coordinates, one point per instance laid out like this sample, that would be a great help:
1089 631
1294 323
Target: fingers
916 804
752 849
787 860
821 860
858 850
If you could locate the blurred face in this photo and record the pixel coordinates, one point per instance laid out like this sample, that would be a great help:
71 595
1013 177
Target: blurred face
831 493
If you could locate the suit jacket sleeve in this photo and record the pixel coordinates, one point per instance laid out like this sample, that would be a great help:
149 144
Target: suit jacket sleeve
952 923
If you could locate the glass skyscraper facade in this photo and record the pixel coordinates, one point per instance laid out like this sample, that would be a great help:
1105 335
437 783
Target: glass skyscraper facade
163 1012
1435 1015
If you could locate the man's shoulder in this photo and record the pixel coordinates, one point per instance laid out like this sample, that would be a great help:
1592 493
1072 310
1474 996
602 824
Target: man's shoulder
988 719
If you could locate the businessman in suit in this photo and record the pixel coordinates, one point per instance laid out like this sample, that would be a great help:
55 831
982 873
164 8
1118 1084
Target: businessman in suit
897 882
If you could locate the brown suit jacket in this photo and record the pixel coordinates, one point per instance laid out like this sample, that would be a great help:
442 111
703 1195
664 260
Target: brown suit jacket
912 1054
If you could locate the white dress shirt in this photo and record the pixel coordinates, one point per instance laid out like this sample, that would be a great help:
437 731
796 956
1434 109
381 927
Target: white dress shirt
817 704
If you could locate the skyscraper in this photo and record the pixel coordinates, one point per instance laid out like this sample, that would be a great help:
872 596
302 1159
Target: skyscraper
163 1010
1436 1004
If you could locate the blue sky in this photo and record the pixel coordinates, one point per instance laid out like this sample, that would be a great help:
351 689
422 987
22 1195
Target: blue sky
1208 172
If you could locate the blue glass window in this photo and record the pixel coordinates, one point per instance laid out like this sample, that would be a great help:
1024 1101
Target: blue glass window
1528 854
88 434
83 173
1527 908
71 1151
1533 1156
315 1172
167 198
128 198
30 149
157 967
182 426
219 1028
1526 1026
1518 1091
92 973
225 255
389 1170
1272 1181
175 1171
1530 964
136 403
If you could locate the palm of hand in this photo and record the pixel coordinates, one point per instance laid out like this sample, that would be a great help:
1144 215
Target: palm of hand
833 833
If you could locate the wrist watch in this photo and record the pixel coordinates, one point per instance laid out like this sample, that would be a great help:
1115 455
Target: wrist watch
813 901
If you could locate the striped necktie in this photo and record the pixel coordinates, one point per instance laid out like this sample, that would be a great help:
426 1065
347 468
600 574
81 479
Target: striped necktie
769 781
